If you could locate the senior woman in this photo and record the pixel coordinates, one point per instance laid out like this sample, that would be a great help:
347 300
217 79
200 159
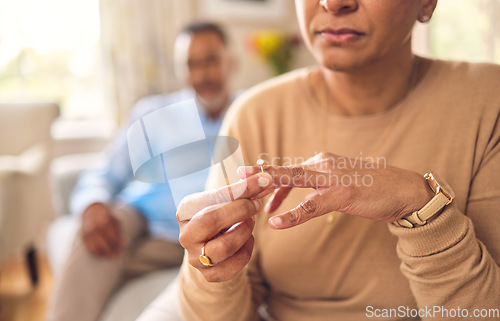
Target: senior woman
376 238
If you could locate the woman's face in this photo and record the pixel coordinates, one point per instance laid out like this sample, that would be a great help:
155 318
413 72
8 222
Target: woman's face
345 35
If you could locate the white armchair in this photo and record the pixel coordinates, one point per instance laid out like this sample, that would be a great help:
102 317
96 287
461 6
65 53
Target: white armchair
25 199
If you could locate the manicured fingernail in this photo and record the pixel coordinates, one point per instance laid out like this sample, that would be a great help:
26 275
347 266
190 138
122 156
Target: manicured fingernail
244 171
257 205
276 221
264 180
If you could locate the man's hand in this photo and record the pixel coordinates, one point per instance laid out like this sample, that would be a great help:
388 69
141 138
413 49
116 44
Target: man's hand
101 232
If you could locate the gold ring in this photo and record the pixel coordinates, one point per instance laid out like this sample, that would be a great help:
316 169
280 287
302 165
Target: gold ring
204 259
260 162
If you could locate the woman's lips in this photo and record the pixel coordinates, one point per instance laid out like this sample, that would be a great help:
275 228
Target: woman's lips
340 36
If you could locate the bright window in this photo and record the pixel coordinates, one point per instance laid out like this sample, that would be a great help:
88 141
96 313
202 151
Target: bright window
466 30
49 49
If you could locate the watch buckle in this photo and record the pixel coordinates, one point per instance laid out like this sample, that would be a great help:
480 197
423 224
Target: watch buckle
448 196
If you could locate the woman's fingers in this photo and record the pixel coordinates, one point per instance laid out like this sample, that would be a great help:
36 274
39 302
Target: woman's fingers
309 209
275 200
221 223
281 193
228 269
244 189
291 176
231 249
209 222
265 192
227 244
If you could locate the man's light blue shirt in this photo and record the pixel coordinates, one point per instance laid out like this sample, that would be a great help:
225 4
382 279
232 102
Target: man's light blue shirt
113 180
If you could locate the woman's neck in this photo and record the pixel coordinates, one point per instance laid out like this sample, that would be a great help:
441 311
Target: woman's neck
373 89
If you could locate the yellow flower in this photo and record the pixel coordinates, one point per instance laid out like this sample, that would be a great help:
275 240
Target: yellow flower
269 42
274 47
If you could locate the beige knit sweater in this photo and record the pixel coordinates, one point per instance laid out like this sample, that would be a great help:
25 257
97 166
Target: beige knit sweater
358 269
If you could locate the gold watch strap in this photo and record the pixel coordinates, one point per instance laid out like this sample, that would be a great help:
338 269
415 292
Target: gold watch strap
420 217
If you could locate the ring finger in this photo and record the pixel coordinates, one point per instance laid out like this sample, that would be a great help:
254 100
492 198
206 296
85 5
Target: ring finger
227 244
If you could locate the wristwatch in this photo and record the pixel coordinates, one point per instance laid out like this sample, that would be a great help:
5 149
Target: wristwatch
444 196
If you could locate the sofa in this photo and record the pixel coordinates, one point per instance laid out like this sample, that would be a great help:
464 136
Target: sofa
129 301
25 153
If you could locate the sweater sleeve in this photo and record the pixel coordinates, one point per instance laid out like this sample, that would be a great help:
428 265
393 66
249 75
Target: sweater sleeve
204 301
453 262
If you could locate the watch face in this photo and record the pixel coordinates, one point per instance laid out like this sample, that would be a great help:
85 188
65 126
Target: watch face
435 181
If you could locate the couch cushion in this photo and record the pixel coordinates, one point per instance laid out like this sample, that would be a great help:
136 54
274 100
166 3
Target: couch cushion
131 299
165 307
127 302
60 238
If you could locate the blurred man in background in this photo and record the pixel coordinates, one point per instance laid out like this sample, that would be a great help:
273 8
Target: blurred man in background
129 228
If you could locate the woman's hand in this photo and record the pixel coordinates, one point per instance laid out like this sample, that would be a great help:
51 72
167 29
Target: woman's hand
222 221
374 191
